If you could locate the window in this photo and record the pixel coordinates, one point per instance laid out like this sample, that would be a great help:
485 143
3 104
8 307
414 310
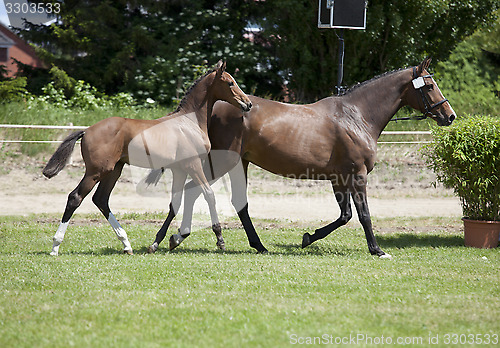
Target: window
4 54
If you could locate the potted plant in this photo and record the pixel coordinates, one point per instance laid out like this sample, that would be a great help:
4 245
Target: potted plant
466 157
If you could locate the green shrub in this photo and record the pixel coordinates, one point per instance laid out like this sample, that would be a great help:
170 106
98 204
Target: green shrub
13 90
83 97
61 81
466 157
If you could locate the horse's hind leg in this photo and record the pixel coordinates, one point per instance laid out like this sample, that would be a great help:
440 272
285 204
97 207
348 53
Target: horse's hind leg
75 198
101 200
343 199
178 181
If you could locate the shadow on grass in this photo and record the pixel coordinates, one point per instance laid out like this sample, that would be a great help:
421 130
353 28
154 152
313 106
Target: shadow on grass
284 249
398 241
102 251
193 251
420 241
320 250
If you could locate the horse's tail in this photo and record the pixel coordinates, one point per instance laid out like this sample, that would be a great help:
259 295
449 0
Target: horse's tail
154 177
60 158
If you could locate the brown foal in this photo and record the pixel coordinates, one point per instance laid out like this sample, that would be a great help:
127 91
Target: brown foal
178 141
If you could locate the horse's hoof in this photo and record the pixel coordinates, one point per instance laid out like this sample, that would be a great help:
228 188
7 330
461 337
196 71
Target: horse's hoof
54 253
259 247
175 241
385 256
152 248
128 252
306 240
221 246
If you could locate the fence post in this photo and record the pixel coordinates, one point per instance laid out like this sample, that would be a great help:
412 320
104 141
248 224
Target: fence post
70 162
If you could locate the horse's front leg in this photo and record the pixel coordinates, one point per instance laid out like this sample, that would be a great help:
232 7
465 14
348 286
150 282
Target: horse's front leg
358 187
179 178
199 178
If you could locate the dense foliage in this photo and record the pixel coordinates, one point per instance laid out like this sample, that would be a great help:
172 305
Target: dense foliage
151 48
12 90
470 77
466 157
398 33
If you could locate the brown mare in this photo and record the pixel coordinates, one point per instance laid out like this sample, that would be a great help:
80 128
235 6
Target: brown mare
333 139
178 141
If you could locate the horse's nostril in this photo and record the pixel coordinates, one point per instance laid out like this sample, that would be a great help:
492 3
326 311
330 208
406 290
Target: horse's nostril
452 117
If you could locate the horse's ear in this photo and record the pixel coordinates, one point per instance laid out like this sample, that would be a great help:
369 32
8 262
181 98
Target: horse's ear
424 65
221 67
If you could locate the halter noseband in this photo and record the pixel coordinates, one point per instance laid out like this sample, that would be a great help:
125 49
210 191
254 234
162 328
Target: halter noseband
418 83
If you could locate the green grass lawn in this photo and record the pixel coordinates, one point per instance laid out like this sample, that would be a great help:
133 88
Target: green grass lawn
196 296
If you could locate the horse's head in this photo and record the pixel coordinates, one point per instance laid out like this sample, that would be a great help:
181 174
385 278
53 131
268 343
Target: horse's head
224 87
424 95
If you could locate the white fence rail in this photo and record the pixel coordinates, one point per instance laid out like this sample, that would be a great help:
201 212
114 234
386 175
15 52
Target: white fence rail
41 126
35 126
70 127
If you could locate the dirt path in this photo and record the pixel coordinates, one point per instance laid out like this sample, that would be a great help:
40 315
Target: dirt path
24 192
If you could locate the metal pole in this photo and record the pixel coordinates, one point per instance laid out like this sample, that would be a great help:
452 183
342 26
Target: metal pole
340 72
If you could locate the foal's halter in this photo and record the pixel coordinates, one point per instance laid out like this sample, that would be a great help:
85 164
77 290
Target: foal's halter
419 83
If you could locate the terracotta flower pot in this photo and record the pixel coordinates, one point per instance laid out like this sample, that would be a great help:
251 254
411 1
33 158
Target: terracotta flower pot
481 234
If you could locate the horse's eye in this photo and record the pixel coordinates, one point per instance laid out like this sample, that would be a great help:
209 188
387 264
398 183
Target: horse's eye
230 83
431 87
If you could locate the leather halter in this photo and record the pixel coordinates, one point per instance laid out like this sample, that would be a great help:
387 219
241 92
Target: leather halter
425 101
427 105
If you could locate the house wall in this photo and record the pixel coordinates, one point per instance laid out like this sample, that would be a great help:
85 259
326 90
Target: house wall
20 51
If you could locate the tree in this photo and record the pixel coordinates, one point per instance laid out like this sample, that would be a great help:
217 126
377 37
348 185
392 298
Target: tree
399 33
197 35
153 48
470 76
150 47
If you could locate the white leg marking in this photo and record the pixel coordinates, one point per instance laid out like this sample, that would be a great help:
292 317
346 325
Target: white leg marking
210 198
120 232
58 238
183 231
179 238
386 256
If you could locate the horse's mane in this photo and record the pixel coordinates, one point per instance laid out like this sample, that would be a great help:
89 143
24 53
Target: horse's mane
361 84
190 89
